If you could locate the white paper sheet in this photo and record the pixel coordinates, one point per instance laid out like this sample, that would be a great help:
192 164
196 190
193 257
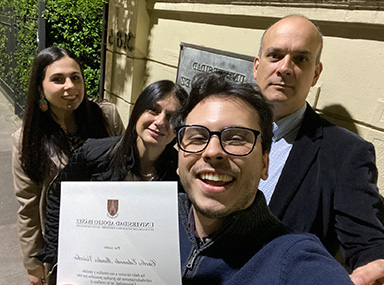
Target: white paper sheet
119 233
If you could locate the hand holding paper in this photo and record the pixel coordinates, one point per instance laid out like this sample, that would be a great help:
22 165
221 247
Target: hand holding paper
119 233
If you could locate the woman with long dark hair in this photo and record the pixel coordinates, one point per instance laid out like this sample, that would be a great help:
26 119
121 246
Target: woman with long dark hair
145 152
58 119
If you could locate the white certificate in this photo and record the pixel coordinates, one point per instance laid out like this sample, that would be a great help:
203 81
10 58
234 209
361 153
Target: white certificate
119 233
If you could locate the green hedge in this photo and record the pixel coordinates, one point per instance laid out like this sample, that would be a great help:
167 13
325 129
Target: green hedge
26 43
77 25
23 15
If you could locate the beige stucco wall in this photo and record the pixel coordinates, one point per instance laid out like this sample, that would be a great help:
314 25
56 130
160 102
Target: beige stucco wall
350 91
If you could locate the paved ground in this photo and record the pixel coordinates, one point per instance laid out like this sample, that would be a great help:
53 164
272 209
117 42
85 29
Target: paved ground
11 268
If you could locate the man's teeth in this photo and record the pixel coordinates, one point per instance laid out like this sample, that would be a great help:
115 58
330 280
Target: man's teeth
216 177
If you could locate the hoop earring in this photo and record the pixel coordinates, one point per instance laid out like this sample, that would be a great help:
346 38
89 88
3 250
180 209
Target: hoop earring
43 104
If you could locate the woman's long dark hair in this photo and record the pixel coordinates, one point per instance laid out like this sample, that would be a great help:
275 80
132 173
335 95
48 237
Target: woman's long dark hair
42 137
156 91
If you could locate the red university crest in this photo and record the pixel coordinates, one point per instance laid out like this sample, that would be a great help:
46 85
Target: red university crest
113 208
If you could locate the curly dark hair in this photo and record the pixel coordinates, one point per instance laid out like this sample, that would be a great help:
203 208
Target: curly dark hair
219 84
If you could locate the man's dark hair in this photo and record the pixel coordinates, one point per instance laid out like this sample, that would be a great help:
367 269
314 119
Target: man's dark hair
218 84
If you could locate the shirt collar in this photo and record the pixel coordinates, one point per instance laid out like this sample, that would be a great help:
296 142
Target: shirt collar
287 124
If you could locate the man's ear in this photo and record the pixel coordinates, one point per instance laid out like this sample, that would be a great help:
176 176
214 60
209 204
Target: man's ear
177 171
318 70
255 66
264 170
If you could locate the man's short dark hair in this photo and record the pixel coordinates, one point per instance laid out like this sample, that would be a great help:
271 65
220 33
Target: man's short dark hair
218 84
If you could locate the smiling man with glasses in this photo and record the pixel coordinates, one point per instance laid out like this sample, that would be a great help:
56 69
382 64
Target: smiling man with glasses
227 233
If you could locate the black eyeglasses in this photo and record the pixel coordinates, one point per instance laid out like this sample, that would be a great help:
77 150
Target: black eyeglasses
237 141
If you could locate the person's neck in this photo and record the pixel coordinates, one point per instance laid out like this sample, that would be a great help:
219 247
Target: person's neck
148 156
147 167
206 226
66 120
280 111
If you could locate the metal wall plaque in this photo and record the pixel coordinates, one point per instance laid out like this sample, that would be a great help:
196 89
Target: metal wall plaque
194 59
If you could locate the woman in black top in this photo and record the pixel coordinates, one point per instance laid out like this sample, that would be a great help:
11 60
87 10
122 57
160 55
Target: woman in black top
145 152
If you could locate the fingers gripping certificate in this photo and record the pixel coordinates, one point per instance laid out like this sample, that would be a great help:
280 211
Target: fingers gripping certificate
119 233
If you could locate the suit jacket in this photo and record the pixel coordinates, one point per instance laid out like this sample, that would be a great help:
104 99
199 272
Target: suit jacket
328 188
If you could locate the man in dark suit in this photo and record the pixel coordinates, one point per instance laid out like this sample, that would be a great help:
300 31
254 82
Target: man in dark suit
322 178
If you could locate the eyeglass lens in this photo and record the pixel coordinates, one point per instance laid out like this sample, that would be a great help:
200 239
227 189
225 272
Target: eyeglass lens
234 140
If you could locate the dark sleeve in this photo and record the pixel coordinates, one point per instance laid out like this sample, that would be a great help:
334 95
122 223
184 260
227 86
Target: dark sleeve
167 164
75 170
308 262
292 259
358 207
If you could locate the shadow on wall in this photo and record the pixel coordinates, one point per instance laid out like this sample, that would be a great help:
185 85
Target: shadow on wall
351 30
338 115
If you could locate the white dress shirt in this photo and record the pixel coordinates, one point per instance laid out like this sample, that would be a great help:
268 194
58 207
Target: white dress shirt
284 134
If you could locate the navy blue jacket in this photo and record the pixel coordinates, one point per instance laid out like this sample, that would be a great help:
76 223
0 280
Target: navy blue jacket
328 188
254 247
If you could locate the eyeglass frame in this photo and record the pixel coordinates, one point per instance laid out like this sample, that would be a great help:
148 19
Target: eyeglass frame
218 134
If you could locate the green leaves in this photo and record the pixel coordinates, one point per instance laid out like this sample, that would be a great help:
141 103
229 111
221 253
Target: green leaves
77 25
16 58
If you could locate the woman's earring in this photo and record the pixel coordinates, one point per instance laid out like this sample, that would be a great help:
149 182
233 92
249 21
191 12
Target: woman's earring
43 104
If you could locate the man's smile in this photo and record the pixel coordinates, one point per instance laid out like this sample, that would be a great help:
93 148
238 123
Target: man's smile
215 179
